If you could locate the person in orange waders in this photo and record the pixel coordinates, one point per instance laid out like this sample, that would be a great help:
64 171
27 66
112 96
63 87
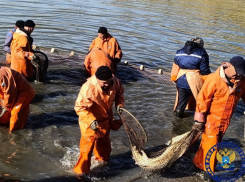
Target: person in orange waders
94 108
9 37
95 59
16 93
21 51
109 44
215 105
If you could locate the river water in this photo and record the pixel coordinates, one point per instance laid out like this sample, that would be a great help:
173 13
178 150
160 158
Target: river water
149 33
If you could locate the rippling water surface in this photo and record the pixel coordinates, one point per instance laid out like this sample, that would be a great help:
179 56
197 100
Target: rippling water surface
149 33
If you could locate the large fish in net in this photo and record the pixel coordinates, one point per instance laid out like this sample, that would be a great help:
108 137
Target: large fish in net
158 160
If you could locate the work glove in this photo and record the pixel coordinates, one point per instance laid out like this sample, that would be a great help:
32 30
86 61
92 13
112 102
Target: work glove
199 126
119 109
94 125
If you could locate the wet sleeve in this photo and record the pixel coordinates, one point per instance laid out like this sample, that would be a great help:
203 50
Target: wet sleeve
83 105
8 41
204 98
204 65
9 92
119 100
118 50
21 51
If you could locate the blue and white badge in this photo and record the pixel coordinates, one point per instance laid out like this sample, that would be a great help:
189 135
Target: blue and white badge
231 162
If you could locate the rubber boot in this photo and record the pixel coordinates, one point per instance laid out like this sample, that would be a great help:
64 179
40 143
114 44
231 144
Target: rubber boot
179 113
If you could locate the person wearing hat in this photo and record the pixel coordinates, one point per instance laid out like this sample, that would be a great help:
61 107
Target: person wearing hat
215 105
109 44
21 50
190 66
9 37
94 108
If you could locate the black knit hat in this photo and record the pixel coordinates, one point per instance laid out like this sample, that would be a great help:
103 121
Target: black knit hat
239 64
103 73
102 30
29 23
20 24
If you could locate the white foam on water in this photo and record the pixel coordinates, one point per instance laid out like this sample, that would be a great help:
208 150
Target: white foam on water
70 158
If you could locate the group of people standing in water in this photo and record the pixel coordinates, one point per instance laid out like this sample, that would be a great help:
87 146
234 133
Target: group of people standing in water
94 102
213 96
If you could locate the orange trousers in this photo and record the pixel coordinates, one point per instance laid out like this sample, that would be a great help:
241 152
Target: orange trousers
8 58
213 134
101 148
18 116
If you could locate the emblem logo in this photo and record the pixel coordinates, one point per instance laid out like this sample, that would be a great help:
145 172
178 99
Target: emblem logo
230 166
225 158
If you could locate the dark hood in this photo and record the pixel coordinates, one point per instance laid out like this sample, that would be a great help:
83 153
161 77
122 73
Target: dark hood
24 30
191 47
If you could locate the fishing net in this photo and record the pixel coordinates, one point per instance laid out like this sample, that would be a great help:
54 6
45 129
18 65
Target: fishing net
42 61
162 77
64 60
154 160
40 64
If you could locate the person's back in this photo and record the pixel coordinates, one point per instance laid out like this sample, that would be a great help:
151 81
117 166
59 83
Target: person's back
95 59
17 94
190 63
8 40
192 57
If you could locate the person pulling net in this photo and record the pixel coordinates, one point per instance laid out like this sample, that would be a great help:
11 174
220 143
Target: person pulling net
158 160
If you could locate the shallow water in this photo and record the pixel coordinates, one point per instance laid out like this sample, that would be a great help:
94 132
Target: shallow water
149 33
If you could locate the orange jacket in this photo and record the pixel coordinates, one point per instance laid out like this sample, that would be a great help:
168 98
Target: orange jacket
216 101
110 46
95 59
12 86
19 47
94 104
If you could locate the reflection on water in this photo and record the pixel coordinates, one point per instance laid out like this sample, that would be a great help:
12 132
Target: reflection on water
149 32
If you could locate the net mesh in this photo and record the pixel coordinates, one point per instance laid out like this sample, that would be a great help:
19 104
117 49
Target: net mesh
63 60
163 157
